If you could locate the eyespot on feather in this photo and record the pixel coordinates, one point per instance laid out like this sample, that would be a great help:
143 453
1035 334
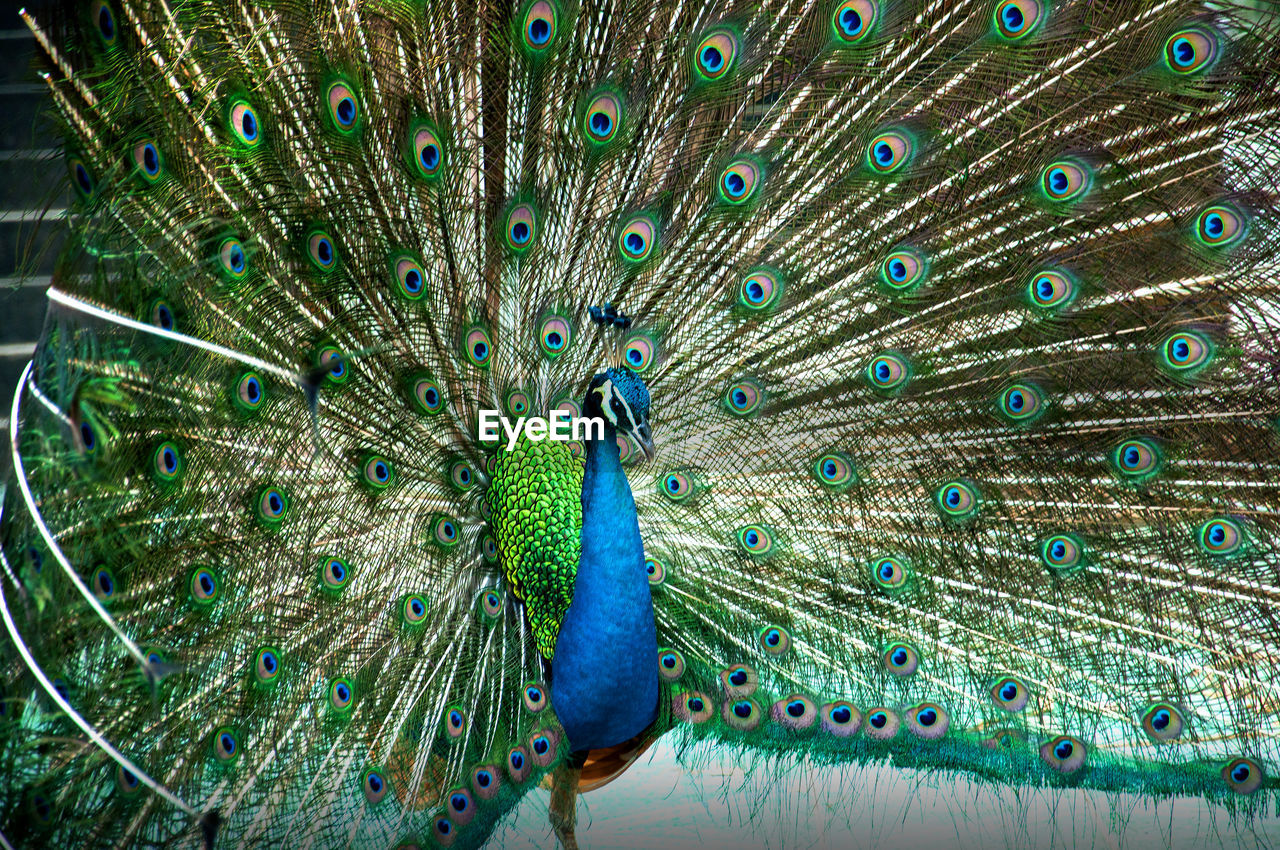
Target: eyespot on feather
425 151
1066 180
888 372
716 55
1163 722
890 573
242 120
760 290
1243 775
841 719
602 118
740 181
900 659
796 712
853 20
1063 554
638 238
1014 20
928 721
539 26
739 680
342 107
1190 51
1064 754
1220 226
881 724
671 664
1051 290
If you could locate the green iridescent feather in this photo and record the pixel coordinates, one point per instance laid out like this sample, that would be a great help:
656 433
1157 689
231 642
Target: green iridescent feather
537 513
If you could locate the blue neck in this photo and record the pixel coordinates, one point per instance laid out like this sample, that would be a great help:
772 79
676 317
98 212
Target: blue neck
604 677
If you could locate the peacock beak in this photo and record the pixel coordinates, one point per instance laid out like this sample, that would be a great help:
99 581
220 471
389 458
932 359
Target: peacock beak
644 436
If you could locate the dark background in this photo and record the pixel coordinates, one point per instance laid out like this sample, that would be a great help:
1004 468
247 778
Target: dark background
32 178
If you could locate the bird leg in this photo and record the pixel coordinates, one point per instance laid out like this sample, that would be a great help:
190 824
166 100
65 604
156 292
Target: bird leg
564 801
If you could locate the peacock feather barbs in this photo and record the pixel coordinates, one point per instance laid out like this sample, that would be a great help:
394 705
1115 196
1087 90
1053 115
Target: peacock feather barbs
958 326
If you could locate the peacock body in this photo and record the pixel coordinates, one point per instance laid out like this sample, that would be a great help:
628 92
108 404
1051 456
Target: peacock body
953 326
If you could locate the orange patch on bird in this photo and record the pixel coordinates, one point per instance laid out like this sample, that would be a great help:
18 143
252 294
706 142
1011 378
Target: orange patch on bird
400 771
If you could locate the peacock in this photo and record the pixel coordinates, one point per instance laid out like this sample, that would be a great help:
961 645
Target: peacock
879 383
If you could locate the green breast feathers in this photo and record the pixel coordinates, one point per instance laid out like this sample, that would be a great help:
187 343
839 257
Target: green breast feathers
536 504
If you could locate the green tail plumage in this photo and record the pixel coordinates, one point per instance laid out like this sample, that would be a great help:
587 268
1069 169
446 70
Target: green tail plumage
959 324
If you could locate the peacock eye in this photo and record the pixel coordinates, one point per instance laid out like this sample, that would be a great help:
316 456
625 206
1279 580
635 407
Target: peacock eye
740 181
425 151
882 724
957 499
522 227
1190 50
374 785
670 664
243 122
539 26
343 108
928 721
901 659
248 395
716 54
1063 554
1163 722
477 347
1137 460
320 250
890 573
1066 180
1010 694
1064 754
1016 19
226 745
1243 775
888 151
853 20
637 238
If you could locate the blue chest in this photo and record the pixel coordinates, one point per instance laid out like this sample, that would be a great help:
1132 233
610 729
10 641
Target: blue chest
604 680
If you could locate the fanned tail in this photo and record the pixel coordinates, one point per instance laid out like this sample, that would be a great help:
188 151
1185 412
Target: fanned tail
959 322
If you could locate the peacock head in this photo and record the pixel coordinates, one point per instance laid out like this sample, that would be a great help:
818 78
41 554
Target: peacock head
619 397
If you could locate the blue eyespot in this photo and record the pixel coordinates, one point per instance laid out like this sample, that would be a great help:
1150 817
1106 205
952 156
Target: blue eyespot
343 109
374 785
901 660
1137 459
670 664
106 21
535 697
1066 180
204 587
226 745
540 23
958 500
716 54
1064 754
1242 775
1190 51
1016 19
882 724
244 123
775 640
1163 722
104 584
1010 694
